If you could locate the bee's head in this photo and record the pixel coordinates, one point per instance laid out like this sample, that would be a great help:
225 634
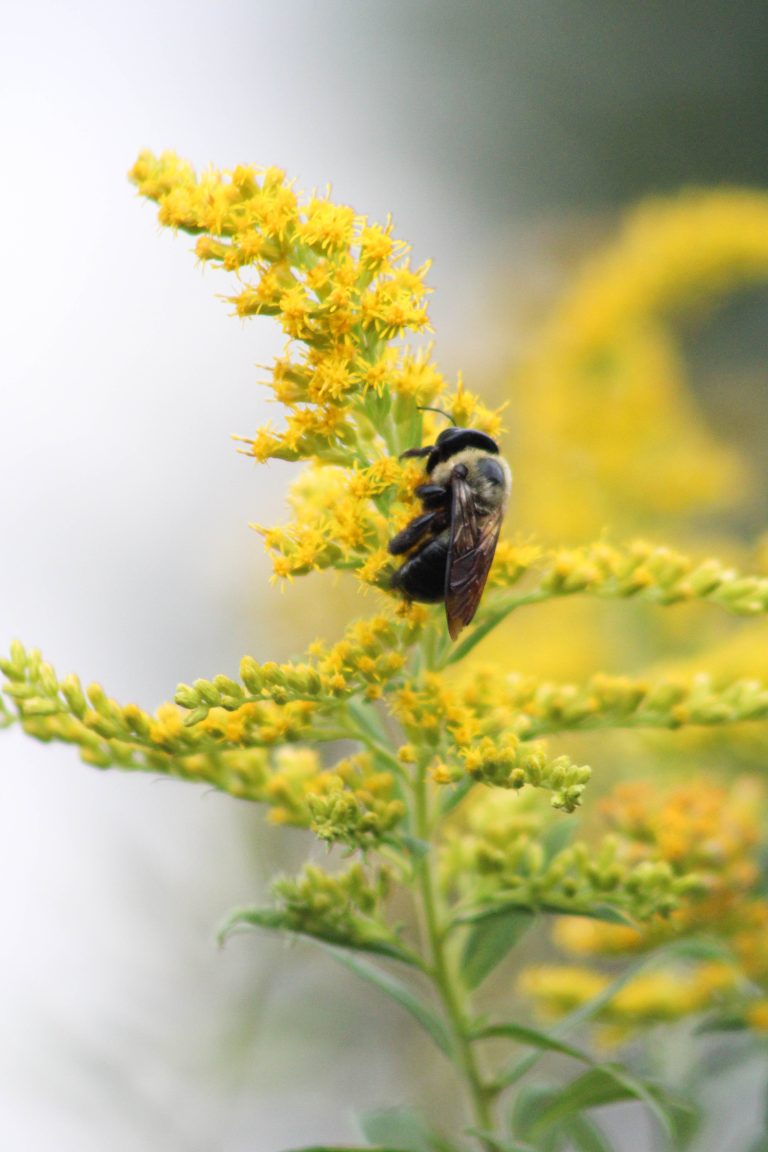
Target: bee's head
453 440
450 441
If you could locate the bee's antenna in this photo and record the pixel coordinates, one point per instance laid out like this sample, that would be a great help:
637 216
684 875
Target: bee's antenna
429 408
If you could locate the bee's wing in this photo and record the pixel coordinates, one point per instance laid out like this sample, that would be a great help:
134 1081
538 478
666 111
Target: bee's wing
470 555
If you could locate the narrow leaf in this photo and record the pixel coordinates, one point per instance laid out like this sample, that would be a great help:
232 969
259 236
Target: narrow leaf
489 911
592 1090
607 913
605 1084
274 920
418 848
528 1104
488 942
586 1136
723 1022
649 1094
533 1038
342 952
700 948
575 1019
367 719
557 837
451 797
399 992
686 1123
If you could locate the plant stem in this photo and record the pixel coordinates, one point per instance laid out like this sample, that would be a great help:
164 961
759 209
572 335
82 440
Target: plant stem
441 969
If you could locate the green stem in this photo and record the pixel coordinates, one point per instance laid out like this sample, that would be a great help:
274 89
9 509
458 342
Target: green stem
355 730
441 970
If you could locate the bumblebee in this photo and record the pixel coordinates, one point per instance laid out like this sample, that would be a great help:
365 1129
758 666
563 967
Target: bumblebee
452 542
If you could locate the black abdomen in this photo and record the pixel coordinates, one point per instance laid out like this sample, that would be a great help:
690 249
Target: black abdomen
422 577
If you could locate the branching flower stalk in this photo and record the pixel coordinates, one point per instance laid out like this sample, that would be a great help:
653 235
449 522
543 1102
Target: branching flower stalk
440 794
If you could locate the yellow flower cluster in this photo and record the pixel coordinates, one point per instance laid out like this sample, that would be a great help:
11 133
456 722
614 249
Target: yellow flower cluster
344 291
474 736
538 707
249 740
340 520
697 830
353 803
498 856
369 656
638 569
344 908
670 253
610 434
650 998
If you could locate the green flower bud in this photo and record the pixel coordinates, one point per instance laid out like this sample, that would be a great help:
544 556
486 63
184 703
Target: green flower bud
207 692
187 697
74 695
251 675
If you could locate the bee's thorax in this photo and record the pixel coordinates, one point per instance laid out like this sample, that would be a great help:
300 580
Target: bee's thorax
488 476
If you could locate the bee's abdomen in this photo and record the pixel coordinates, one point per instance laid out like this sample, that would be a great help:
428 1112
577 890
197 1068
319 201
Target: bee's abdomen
422 577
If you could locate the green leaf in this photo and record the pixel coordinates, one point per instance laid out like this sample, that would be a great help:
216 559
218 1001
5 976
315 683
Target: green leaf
558 836
578 1017
592 1090
608 913
533 1038
586 1136
604 1084
402 1128
686 1123
700 948
452 796
416 847
488 911
401 994
528 1104
488 942
722 1022
274 920
366 718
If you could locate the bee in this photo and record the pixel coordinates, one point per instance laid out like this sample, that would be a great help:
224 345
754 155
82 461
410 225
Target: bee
451 543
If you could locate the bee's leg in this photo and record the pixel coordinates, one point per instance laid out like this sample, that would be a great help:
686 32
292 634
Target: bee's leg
434 495
422 577
412 533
